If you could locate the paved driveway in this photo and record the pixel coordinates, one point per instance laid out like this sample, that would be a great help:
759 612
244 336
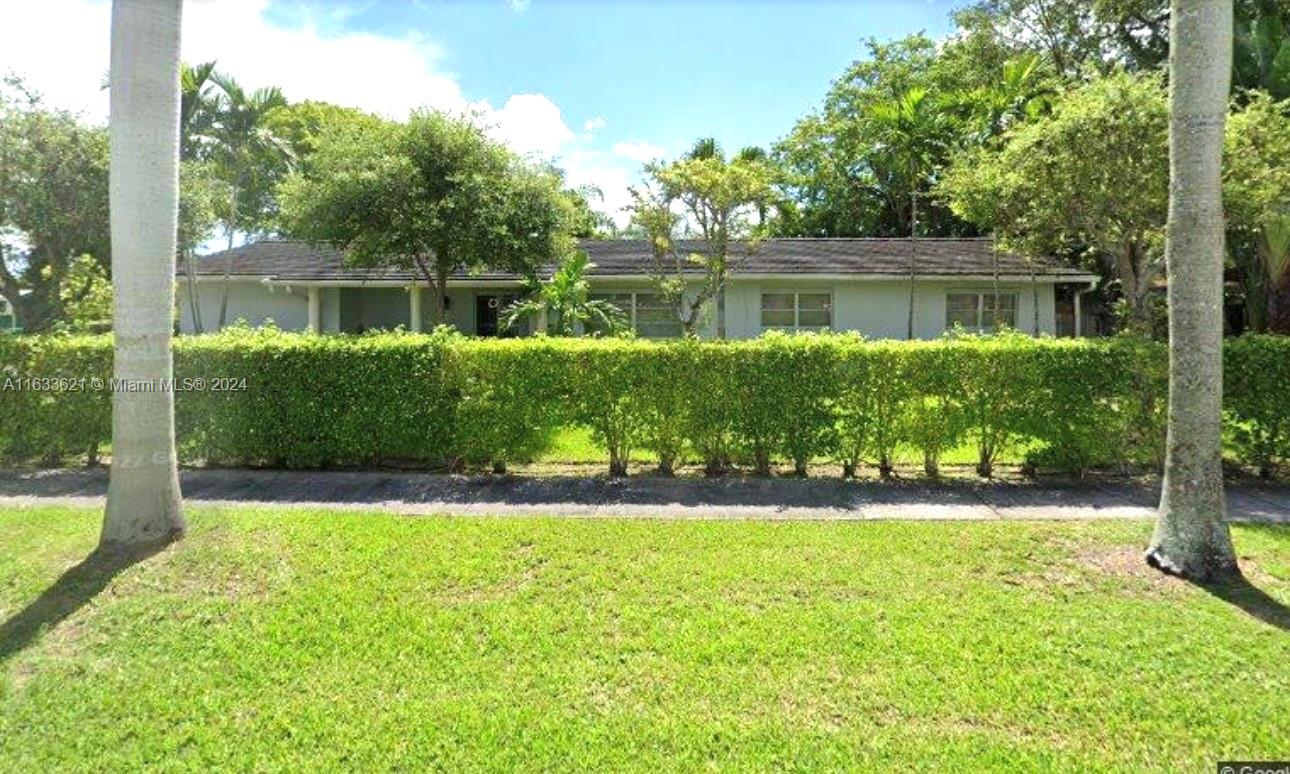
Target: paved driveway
650 497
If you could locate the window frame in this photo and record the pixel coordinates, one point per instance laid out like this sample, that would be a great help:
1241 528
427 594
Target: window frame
633 307
980 308
797 326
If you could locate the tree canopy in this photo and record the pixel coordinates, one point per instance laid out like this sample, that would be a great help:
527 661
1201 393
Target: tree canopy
717 200
434 194
1091 178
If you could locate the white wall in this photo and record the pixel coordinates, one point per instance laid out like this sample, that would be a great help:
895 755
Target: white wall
247 300
876 308
879 309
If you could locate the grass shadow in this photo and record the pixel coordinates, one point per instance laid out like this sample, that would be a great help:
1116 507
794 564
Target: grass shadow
73 589
1240 593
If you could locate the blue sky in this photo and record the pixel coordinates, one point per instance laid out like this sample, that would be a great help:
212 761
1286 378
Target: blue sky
664 71
599 87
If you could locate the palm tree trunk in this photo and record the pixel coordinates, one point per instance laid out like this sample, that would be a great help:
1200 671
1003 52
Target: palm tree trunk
143 504
913 261
228 263
1191 538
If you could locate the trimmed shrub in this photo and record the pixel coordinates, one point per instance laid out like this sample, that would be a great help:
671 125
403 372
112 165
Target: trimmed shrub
299 401
933 418
509 397
1256 396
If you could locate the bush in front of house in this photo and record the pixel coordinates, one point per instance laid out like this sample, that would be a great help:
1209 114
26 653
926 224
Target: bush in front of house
1256 396
299 401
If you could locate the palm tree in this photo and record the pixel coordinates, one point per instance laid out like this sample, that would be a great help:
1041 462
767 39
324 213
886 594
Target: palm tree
565 302
705 148
1262 48
143 503
198 107
251 159
911 133
1191 537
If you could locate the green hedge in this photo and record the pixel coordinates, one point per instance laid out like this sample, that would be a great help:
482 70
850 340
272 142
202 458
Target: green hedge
323 401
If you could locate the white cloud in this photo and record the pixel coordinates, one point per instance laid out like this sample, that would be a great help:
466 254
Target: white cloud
520 6
61 48
529 124
642 152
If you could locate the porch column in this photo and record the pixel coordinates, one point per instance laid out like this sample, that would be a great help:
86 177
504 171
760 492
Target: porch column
539 325
1078 294
414 307
315 309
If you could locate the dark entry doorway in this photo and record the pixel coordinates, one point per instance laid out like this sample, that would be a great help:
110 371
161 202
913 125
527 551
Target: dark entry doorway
488 311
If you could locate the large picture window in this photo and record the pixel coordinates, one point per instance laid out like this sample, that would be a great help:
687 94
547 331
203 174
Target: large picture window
796 311
649 314
976 311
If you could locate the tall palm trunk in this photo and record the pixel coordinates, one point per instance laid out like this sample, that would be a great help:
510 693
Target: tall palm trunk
143 504
1191 537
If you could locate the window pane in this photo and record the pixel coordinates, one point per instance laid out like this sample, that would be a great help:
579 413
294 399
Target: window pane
962 309
777 301
1007 313
655 318
776 319
813 301
814 310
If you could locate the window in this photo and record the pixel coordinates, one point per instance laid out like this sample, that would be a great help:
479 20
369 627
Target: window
649 314
655 318
976 312
796 311
621 300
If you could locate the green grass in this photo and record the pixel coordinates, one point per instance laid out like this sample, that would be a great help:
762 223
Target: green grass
284 639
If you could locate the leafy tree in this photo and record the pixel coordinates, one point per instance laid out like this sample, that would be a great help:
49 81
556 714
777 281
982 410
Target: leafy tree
1077 36
1092 177
1191 537
435 195
86 295
1261 48
714 197
1256 193
299 126
886 128
584 221
53 198
564 301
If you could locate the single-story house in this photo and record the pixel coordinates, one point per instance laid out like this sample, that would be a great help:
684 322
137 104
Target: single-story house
792 284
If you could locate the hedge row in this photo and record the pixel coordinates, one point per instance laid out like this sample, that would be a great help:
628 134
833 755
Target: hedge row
323 401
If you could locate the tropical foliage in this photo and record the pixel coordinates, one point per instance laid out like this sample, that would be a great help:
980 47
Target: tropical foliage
715 198
565 302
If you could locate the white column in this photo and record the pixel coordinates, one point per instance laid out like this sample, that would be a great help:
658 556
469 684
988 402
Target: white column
414 307
315 310
1078 294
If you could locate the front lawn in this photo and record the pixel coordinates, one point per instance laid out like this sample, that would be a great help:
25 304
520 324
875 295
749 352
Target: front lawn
285 639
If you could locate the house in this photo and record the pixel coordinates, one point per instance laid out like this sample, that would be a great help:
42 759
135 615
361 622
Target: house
791 284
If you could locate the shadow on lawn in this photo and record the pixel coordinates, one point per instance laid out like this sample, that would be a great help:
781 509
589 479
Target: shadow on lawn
73 589
1239 592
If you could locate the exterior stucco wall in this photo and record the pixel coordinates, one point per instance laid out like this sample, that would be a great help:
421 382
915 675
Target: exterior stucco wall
880 308
876 308
248 300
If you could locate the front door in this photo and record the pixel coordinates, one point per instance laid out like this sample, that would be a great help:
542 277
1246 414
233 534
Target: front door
487 315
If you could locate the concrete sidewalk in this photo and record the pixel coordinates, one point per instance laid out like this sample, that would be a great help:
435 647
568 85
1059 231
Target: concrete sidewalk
648 497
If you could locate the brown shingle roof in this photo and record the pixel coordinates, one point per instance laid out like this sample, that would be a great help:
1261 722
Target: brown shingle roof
294 260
